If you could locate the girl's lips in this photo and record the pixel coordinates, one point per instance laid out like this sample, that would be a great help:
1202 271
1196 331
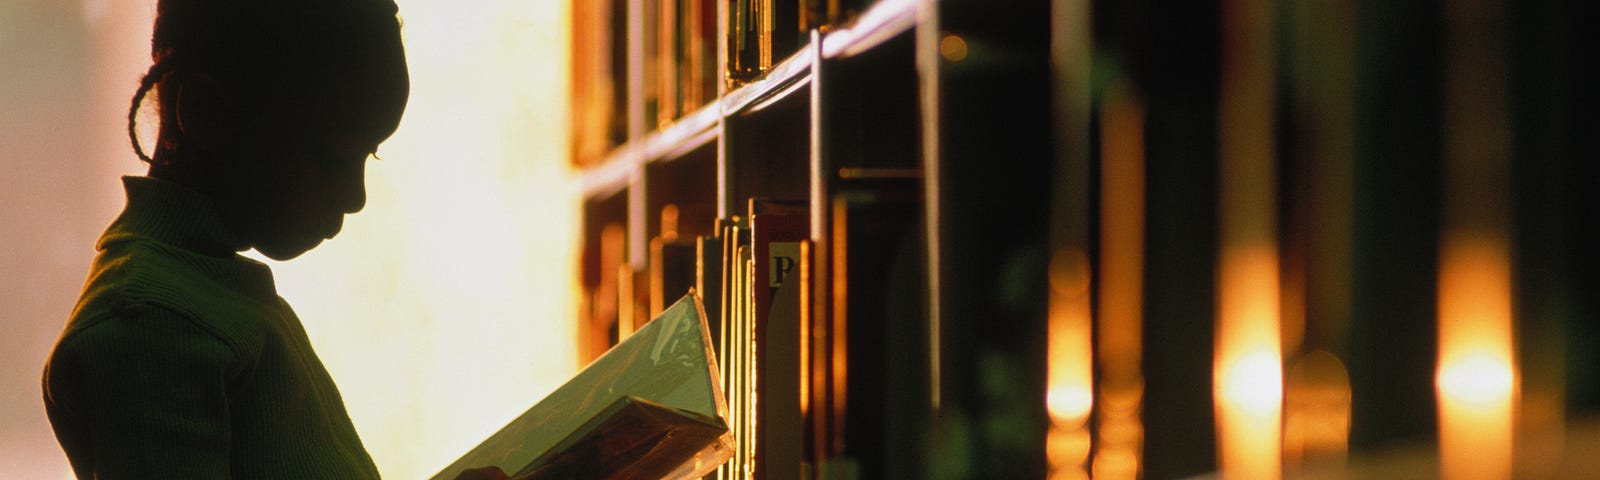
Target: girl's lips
333 231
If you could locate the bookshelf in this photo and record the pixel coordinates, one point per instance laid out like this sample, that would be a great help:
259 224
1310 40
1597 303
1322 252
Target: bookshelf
1019 222
825 130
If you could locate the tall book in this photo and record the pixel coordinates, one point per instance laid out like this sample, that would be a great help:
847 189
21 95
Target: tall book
598 114
733 339
600 316
738 347
672 262
708 279
687 56
669 56
826 14
650 54
777 229
876 331
761 33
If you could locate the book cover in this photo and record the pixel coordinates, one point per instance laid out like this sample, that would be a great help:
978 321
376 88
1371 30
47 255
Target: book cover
776 229
651 407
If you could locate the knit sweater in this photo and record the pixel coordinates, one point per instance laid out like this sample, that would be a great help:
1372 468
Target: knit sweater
180 360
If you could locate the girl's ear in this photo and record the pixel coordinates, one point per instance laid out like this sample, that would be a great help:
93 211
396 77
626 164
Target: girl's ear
207 112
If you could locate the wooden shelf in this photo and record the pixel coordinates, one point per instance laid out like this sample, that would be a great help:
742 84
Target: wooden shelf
937 197
885 20
690 132
879 23
832 133
611 175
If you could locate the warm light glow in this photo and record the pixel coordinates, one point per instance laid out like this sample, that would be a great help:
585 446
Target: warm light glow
1249 366
1120 434
953 48
1070 394
1116 464
1477 379
1247 369
1067 444
1248 418
1252 384
1069 402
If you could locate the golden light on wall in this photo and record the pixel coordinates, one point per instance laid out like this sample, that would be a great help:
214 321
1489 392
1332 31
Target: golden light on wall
446 307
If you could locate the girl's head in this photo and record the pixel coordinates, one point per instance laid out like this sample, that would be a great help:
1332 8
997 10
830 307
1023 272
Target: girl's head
271 107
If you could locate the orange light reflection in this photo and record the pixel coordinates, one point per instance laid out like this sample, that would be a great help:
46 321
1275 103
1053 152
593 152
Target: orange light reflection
1070 397
1477 378
1316 417
1248 367
1119 327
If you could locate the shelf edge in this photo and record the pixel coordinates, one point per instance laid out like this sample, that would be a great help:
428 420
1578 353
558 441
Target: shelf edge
682 134
775 81
881 22
611 175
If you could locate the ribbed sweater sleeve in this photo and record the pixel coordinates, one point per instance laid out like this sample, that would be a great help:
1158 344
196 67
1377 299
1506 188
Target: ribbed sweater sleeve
155 387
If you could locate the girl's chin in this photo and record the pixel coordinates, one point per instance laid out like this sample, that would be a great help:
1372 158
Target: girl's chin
288 250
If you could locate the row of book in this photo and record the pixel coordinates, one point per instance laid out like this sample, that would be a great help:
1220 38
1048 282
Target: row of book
813 331
678 71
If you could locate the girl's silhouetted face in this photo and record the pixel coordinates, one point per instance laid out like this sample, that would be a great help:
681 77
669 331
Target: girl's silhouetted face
279 138
305 165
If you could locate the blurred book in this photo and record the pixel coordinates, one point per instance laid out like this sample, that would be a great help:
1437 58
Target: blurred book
672 270
672 263
598 78
708 278
651 407
864 411
761 33
777 228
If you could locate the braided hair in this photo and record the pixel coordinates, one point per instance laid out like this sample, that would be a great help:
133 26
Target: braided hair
157 72
250 45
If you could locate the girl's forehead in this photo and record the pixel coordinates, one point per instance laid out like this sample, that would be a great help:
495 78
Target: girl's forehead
344 73
363 100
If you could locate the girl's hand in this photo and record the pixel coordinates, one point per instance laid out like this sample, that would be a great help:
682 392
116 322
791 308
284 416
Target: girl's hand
483 473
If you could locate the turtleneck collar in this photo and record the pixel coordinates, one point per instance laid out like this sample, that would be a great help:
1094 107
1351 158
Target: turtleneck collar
188 224
170 213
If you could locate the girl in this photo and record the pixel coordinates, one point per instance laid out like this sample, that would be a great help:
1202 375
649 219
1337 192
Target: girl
180 360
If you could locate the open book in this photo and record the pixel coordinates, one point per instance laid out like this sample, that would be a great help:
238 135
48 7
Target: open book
648 408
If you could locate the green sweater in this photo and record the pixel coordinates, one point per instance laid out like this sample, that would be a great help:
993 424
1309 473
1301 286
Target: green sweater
181 361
